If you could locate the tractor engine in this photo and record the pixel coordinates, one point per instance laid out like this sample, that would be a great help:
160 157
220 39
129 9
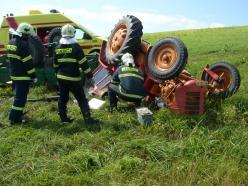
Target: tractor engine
184 94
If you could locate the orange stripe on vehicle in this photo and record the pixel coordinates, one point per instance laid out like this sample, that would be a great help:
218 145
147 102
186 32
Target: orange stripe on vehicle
51 23
89 46
5 26
3 52
48 23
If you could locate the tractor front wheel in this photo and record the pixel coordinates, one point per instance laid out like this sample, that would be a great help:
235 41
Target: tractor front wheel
228 83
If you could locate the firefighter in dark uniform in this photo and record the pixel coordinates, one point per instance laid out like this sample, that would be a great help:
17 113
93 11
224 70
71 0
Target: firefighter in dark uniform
127 83
22 71
68 59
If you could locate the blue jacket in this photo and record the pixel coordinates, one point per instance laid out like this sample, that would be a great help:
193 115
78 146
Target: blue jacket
130 81
21 64
68 58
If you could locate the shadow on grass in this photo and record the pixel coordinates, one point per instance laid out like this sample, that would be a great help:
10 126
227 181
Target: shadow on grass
126 109
65 129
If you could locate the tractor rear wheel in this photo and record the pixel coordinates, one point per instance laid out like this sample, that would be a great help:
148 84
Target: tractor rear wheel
54 35
37 50
167 59
124 38
229 80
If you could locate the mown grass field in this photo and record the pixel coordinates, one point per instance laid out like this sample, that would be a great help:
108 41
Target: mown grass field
211 149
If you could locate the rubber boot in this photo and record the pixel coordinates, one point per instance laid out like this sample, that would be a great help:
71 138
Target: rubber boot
18 122
88 120
64 118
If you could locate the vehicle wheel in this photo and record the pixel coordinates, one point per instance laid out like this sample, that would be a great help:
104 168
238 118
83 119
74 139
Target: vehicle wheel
167 58
54 35
229 83
124 38
37 50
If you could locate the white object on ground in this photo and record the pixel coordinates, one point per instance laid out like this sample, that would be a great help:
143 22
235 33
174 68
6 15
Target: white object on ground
144 115
96 103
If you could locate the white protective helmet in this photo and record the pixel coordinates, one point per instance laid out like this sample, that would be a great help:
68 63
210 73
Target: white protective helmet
25 28
128 60
68 31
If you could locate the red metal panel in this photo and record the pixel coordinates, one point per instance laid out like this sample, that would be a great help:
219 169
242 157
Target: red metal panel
189 98
211 73
12 22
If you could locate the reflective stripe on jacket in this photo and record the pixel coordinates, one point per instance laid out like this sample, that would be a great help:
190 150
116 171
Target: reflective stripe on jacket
68 59
130 81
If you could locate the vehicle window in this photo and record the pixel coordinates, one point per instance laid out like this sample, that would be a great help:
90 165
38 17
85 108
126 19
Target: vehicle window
79 34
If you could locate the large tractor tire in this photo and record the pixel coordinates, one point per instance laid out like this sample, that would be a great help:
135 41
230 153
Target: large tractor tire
124 38
167 59
54 35
229 80
37 50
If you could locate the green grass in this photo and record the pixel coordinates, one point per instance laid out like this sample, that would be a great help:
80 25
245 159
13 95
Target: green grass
211 149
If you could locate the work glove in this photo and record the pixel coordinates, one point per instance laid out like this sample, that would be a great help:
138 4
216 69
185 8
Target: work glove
35 80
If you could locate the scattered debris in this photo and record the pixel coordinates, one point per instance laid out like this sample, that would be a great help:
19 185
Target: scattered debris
144 115
96 103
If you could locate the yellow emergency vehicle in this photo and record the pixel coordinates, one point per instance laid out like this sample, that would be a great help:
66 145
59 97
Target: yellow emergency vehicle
47 27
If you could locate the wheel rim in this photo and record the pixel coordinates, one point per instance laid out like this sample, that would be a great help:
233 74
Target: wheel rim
118 38
226 79
165 57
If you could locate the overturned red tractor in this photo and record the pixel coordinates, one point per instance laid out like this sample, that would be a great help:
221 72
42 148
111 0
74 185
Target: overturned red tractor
163 65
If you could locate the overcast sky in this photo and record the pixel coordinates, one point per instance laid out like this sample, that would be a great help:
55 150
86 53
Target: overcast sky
100 16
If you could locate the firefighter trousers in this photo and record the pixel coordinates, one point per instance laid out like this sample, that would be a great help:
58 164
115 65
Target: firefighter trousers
114 94
21 89
65 87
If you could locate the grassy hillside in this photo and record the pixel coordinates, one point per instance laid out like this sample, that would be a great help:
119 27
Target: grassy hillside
211 149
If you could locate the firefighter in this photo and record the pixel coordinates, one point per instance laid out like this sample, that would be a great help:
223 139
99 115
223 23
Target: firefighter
22 70
68 59
127 83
